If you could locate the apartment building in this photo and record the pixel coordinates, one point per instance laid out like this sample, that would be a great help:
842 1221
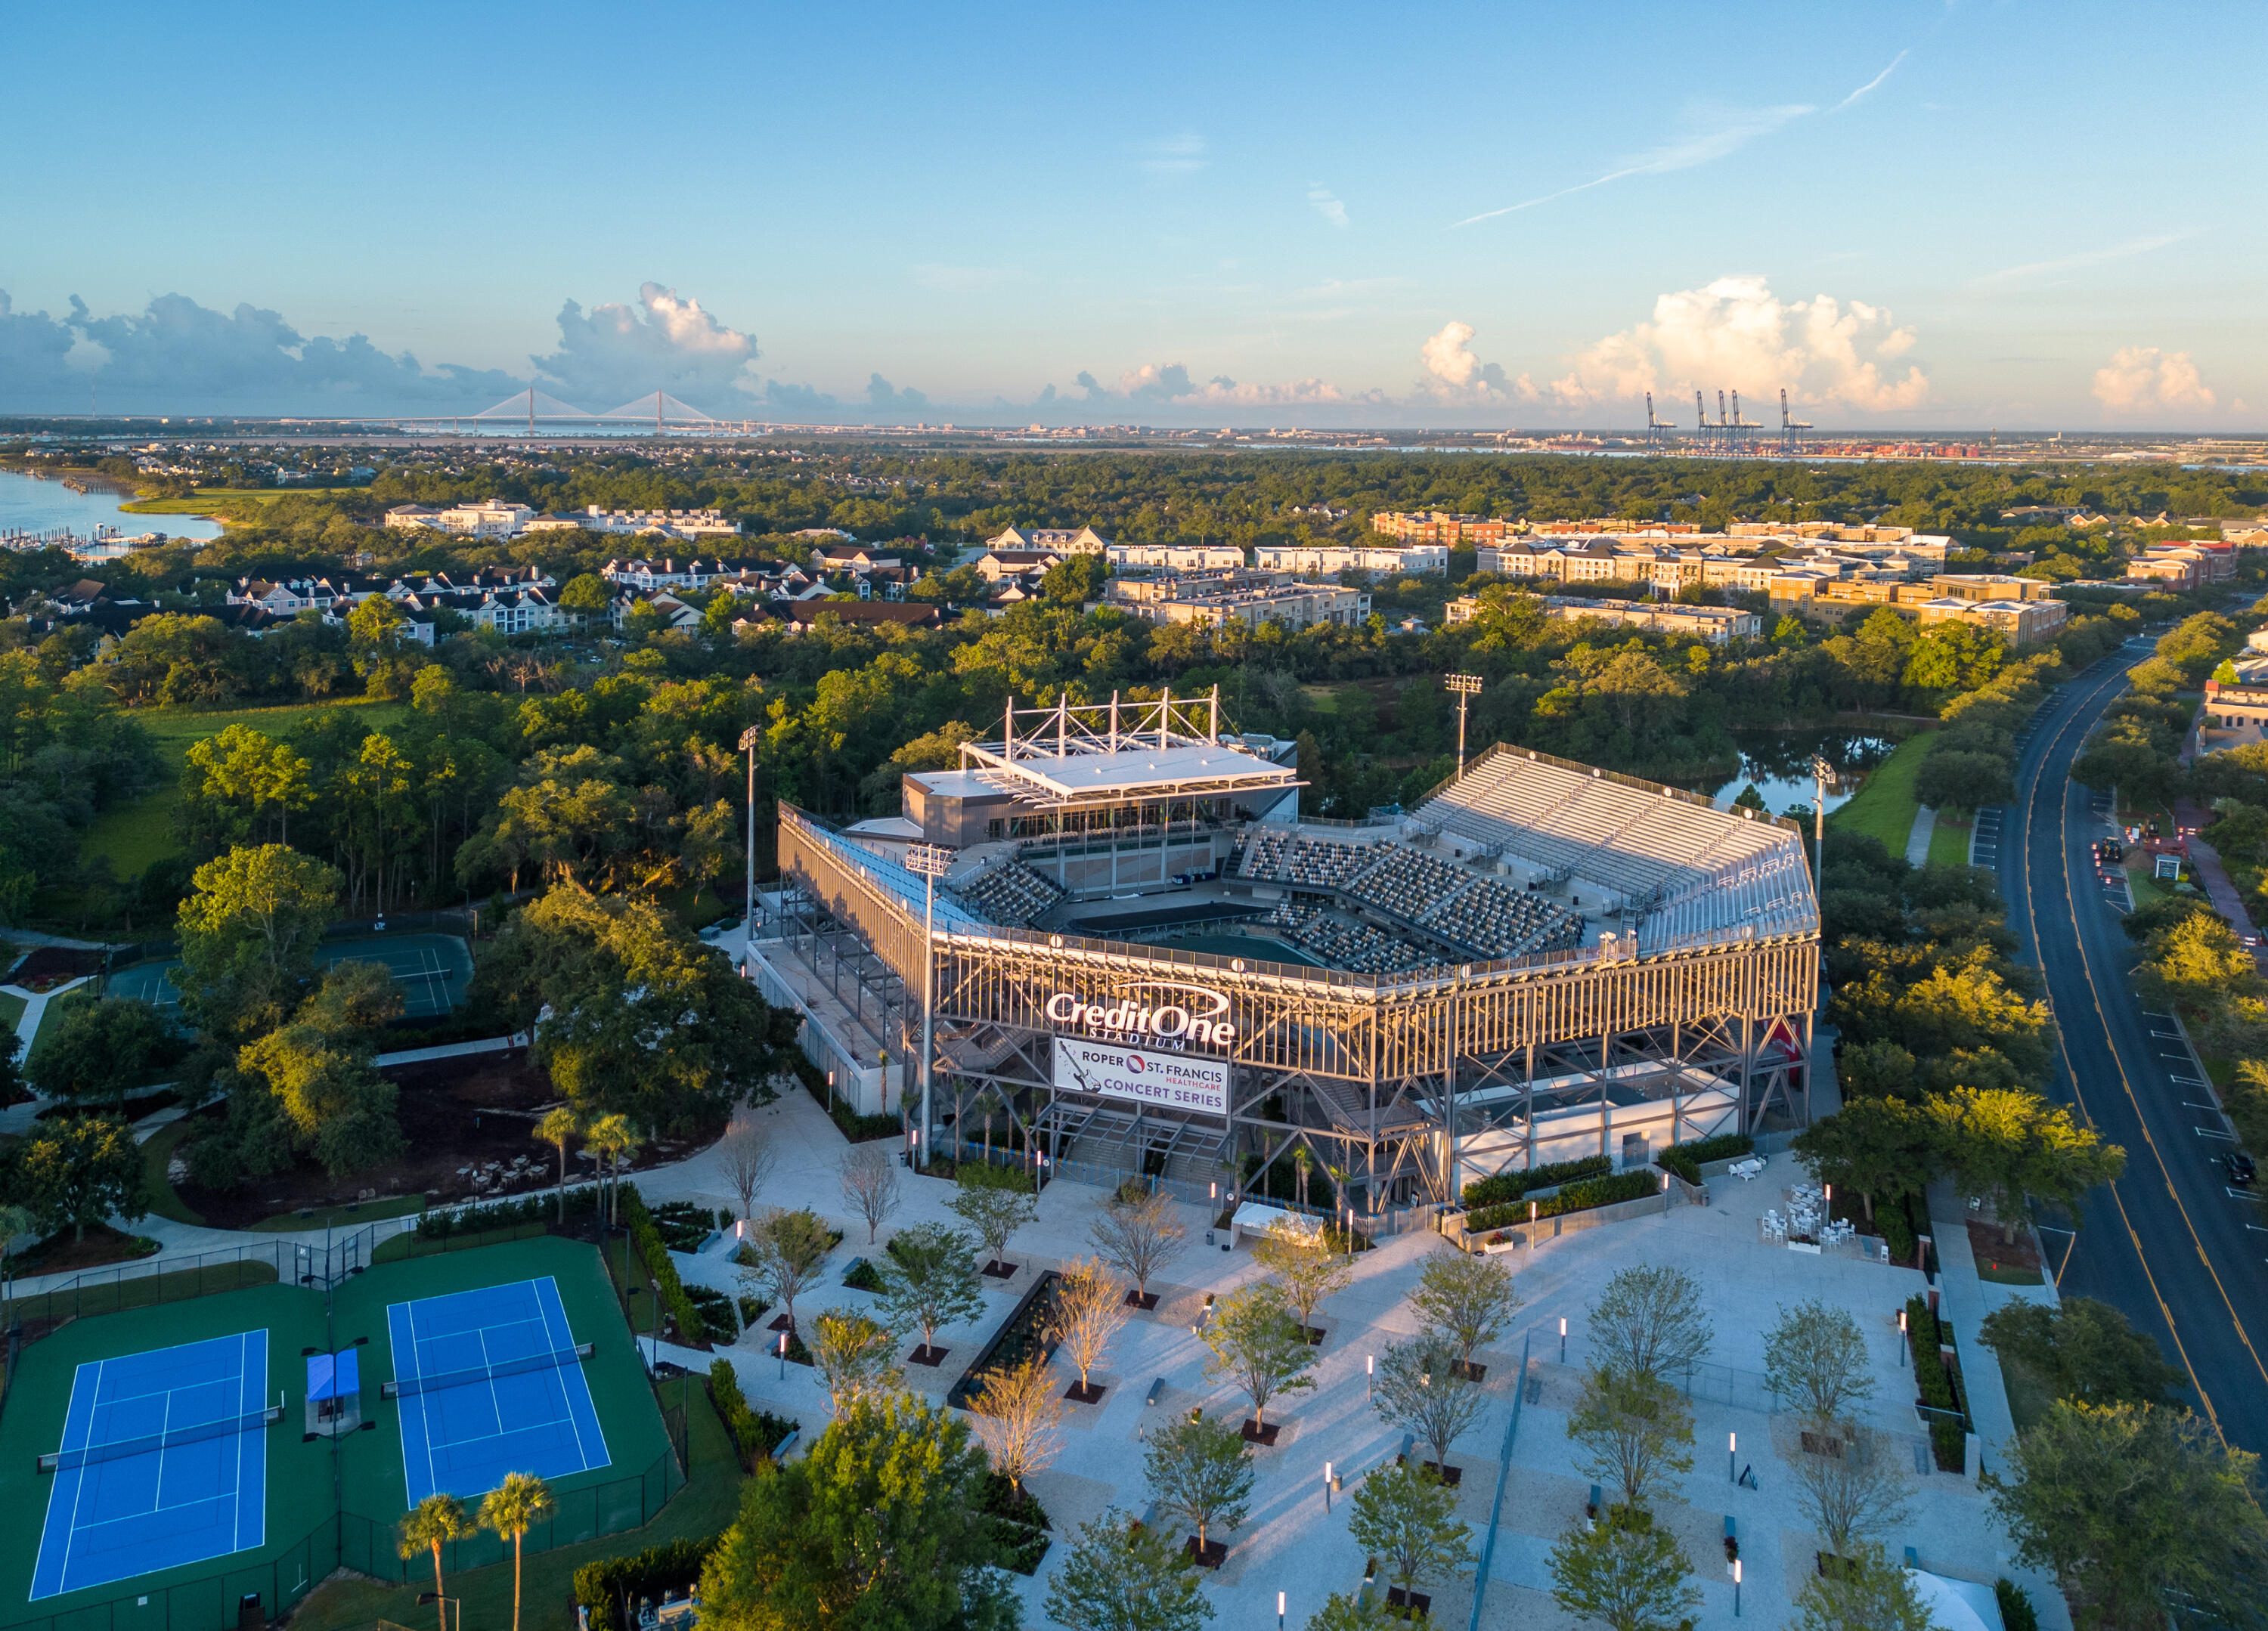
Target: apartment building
1064 540
1439 527
1176 557
1323 559
1250 598
1715 625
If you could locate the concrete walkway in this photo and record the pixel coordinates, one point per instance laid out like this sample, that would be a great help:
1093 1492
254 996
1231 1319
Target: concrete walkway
19 1118
1964 1298
1925 827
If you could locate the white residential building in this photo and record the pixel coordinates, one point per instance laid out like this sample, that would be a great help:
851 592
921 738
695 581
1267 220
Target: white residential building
1325 558
1177 557
1081 541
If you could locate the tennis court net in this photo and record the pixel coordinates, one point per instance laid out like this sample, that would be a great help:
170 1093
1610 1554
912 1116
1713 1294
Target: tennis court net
223 1427
409 1387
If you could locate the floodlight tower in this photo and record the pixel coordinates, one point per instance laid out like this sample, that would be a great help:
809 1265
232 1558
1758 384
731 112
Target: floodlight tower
1822 777
930 861
749 737
1466 686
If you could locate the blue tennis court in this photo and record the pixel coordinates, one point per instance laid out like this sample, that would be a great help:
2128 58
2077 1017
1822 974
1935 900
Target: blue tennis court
163 1461
491 1381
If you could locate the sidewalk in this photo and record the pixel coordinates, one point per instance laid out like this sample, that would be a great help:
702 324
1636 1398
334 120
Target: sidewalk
1963 1301
2215 877
19 1118
1925 828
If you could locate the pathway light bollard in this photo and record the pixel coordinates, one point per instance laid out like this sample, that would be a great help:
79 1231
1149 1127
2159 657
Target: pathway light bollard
1326 1486
1563 1339
1736 1588
1279 1611
783 1356
1903 1343
1369 1377
1732 1457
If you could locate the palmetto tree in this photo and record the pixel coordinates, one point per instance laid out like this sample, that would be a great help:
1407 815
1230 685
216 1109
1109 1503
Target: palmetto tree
1302 1160
432 1523
614 1138
512 1508
988 1103
555 1129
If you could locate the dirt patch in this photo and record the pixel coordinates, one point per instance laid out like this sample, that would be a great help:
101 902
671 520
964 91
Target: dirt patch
458 1116
1992 1252
103 1244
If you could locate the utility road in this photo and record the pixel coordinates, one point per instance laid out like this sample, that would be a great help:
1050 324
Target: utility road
2170 1245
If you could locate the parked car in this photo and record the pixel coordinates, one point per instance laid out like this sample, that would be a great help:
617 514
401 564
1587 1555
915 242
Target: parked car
2238 1166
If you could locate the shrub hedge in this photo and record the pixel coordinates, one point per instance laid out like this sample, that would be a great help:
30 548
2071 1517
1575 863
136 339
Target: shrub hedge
606 1586
757 1432
1685 1159
1507 1186
655 1251
1578 1197
1935 1384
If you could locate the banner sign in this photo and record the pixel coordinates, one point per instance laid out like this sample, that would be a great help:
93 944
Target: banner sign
1168 1081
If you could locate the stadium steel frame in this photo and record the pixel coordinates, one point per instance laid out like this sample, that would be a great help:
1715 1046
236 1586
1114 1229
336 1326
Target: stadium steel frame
1385 1079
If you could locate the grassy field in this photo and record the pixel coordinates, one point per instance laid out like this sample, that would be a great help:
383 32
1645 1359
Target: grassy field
133 835
1884 807
12 1011
353 1215
228 503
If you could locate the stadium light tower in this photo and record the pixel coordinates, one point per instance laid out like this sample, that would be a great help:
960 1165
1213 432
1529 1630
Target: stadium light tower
930 861
1466 686
1822 777
749 737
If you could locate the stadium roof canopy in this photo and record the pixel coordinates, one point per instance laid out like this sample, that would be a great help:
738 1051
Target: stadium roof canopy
1114 752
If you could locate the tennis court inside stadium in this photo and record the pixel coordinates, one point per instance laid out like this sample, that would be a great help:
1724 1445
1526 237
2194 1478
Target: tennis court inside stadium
432 971
163 1460
491 1381
145 1488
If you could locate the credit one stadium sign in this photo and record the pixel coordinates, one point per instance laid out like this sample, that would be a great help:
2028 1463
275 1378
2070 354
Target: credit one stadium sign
1150 1013
1167 1081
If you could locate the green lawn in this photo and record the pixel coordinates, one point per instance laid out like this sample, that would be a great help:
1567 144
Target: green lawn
12 1011
157 1154
56 1008
1884 807
134 834
353 1215
1948 844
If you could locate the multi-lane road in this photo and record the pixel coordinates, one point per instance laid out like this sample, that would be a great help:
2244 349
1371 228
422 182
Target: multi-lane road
2185 1256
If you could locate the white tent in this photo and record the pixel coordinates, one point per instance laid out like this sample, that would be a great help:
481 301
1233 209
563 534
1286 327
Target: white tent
1949 1603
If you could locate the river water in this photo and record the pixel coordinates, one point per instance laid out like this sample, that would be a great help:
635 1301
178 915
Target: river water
30 505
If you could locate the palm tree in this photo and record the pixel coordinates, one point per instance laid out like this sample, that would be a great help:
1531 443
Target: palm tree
612 1137
556 1129
512 1508
1302 1160
430 1525
988 1100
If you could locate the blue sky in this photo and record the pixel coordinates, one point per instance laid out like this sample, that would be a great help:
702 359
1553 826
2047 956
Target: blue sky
1925 216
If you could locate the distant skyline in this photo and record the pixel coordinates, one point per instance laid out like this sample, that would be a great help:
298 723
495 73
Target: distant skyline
1907 216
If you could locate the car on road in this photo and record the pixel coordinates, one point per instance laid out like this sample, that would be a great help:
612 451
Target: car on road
2238 1166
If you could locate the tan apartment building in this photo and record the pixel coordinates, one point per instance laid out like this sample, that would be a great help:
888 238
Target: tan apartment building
1249 598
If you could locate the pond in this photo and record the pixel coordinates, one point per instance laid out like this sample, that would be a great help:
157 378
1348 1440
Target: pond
1778 765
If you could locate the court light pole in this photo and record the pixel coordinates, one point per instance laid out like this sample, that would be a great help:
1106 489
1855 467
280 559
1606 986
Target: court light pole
1467 687
930 861
748 740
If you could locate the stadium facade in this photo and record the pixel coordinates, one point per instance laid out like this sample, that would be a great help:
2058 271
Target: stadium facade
1146 961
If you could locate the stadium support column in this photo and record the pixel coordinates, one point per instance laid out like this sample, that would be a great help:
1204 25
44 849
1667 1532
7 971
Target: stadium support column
930 861
749 737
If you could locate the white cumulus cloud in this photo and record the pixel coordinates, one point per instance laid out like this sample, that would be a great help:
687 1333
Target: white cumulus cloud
666 342
1454 371
1736 333
1328 204
2142 380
